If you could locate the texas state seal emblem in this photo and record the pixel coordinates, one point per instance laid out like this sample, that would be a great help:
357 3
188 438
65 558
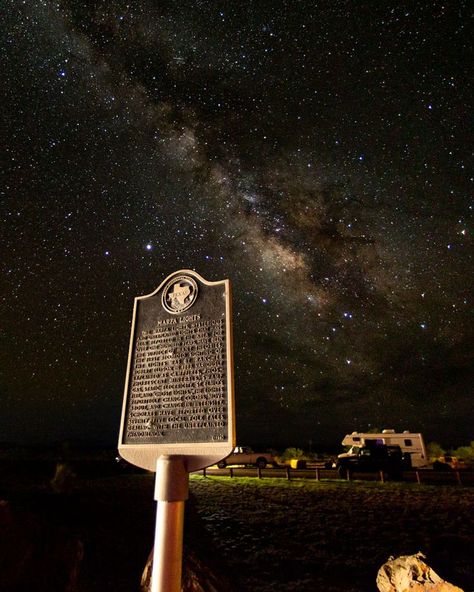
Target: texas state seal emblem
179 294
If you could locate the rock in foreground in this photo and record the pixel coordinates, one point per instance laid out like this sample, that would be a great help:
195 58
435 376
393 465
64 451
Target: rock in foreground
409 573
198 576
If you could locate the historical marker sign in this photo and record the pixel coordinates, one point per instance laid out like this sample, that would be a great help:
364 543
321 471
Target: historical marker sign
179 387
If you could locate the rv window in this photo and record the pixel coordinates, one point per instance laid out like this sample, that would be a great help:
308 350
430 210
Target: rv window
356 439
408 442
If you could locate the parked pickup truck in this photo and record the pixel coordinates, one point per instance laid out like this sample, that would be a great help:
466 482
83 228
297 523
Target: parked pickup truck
374 457
243 455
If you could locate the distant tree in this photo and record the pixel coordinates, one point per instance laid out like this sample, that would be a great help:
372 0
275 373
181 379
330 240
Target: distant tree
434 450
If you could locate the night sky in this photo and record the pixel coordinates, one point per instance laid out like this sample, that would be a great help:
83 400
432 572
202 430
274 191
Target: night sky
317 154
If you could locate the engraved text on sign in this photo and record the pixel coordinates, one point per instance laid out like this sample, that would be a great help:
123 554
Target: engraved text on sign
178 383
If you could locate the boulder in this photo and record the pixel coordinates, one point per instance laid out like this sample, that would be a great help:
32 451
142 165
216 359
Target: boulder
409 573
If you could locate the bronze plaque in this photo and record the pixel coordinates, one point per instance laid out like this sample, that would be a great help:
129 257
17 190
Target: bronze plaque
179 392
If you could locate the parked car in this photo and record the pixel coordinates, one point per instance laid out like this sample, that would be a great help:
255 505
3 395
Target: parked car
243 455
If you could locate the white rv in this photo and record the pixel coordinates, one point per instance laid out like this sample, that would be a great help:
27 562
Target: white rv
409 442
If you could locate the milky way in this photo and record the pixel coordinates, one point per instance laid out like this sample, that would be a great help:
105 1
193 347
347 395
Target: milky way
317 154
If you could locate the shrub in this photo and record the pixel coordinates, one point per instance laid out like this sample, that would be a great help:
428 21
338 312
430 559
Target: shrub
290 453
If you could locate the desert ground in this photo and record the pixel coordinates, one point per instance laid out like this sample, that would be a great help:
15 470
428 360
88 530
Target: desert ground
94 533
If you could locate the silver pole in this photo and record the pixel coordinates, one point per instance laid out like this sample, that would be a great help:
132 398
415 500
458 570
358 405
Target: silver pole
171 492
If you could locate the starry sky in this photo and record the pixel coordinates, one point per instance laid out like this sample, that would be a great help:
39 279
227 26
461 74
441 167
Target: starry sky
317 154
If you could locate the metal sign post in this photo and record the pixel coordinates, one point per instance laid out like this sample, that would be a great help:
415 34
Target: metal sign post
171 492
178 406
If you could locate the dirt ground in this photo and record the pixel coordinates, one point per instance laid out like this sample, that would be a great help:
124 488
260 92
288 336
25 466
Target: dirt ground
263 535
334 535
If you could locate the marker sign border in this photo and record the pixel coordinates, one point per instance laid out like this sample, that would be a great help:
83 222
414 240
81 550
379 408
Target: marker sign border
198 455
